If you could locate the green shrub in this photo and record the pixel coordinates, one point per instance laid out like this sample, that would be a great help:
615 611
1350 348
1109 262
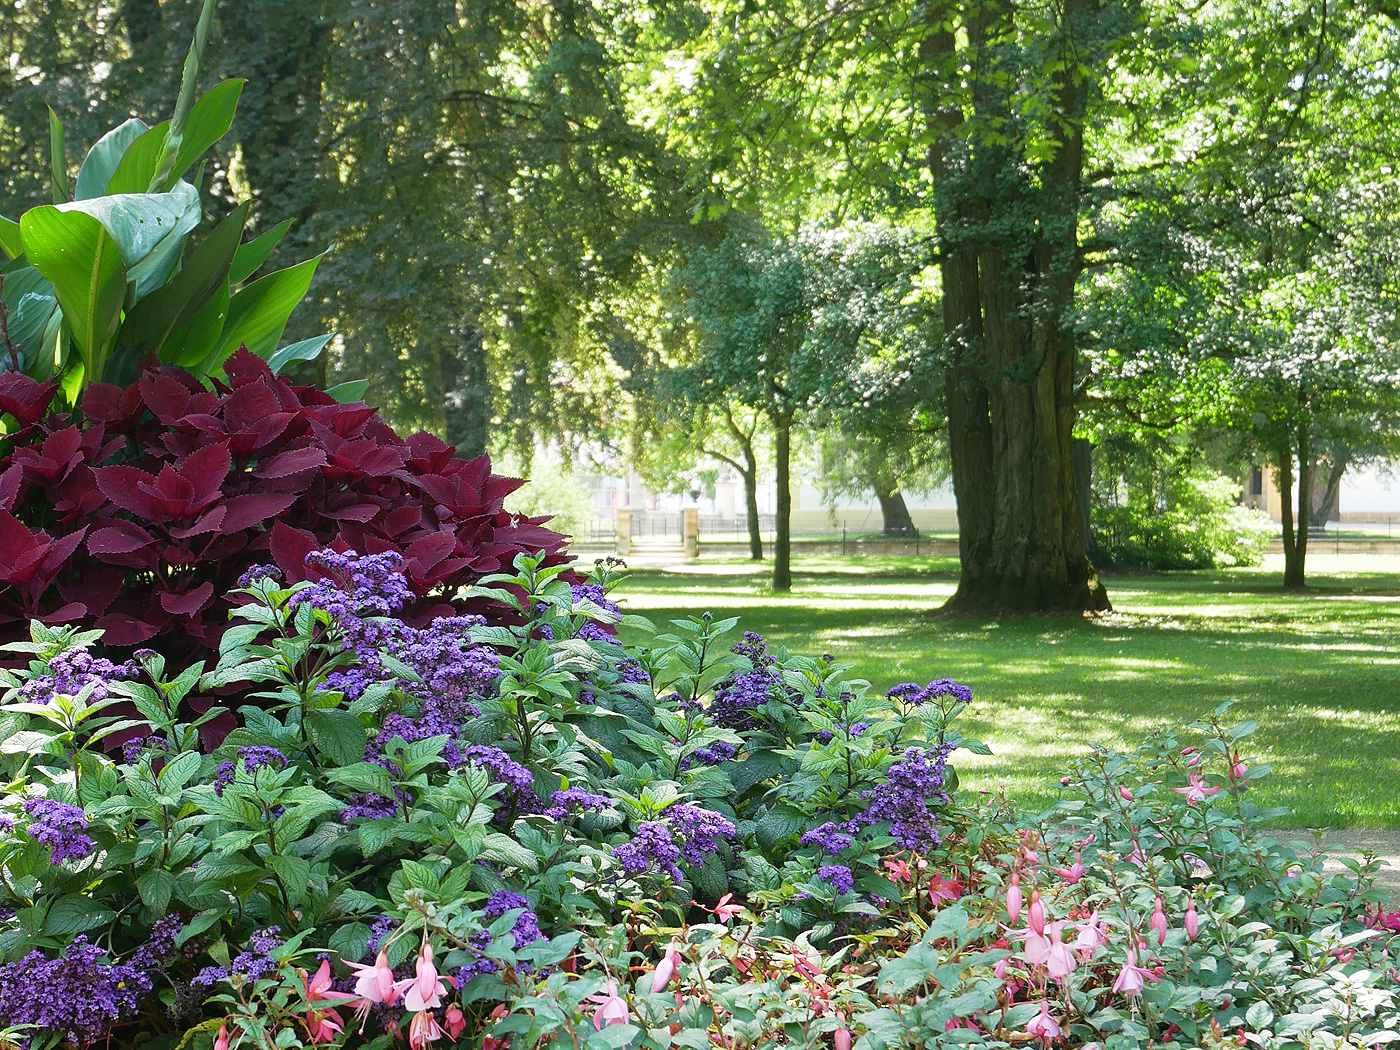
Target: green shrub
1189 520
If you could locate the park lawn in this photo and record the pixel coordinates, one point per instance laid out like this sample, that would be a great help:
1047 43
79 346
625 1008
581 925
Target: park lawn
1319 670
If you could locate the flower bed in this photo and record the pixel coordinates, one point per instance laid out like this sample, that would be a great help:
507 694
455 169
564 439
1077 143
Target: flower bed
518 831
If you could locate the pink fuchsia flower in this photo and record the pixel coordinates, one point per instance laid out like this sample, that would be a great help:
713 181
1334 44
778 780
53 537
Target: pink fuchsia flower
1131 977
1091 934
842 1039
723 910
1043 1025
1059 959
1124 793
322 1026
1074 872
455 1021
1037 948
318 988
424 990
899 870
665 969
1192 921
221 1040
1238 770
1037 913
423 1029
1013 899
1136 856
612 1009
1196 790
941 889
1159 922
375 983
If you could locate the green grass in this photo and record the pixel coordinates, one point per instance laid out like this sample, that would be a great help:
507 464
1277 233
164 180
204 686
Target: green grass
1320 671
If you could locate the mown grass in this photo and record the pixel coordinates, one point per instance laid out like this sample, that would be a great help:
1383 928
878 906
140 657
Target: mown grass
1319 670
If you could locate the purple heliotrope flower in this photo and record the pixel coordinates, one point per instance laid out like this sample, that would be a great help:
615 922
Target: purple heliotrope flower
652 848
61 827
252 964
829 837
838 876
72 671
914 694
912 784
575 800
251 759
259 572
77 996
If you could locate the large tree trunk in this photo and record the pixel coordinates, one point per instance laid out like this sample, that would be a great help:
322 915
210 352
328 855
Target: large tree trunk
1293 550
893 509
1009 265
1327 505
782 546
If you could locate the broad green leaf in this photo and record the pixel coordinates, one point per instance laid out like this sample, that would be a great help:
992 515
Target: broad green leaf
85 266
349 393
30 299
58 160
195 341
155 888
11 243
53 350
258 313
101 162
252 255
306 350
73 913
140 222
138 163
150 322
338 734
209 121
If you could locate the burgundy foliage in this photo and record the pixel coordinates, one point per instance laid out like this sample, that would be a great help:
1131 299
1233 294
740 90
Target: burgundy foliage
139 514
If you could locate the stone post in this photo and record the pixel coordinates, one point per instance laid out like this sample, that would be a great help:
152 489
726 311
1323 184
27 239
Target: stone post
624 532
690 531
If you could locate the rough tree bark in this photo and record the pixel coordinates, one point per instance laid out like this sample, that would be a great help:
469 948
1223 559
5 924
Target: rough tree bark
782 546
893 509
1327 507
1010 381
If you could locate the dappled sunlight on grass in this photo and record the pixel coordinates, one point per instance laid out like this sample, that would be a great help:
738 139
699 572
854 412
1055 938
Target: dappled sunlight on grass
1317 669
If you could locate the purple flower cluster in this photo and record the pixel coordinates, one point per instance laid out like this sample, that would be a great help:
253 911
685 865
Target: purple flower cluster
838 876
161 945
133 749
77 996
575 800
259 572
592 631
353 585
380 929
252 964
715 754
701 831
737 700
252 759
526 930
914 695
913 783
72 671
829 837
652 848
855 731
61 827
630 669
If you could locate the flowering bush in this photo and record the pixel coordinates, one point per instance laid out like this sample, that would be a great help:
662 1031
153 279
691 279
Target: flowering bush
526 833
415 823
139 514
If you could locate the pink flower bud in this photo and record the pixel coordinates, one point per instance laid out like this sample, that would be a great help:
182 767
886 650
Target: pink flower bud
1013 899
1064 782
1159 923
221 1040
1193 921
1124 793
843 1039
1037 913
